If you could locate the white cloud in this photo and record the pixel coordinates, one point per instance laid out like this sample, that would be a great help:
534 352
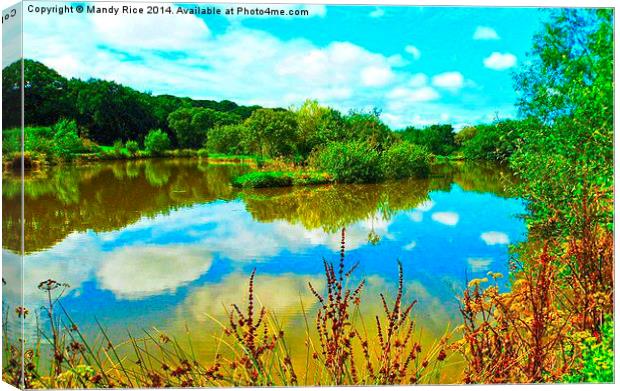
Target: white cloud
376 76
485 33
246 65
410 246
415 216
418 80
140 271
377 13
493 237
426 206
406 95
414 51
142 31
447 218
479 264
449 80
499 61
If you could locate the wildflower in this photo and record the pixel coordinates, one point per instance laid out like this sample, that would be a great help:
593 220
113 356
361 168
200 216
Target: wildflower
21 311
76 346
477 281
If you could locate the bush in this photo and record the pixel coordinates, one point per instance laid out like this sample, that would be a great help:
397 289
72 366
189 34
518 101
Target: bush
157 141
349 162
596 364
202 153
118 147
404 160
65 140
132 147
263 179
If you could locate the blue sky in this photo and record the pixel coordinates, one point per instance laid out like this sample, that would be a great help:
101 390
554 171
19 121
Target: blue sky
419 65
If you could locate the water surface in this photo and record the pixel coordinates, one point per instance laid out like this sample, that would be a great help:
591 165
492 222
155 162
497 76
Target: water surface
169 243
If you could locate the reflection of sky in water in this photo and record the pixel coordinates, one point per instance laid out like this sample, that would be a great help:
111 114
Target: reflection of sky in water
191 261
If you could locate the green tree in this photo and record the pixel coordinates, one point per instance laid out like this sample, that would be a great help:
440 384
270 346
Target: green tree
498 141
157 141
317 125
111 111
132 147
191 125
226 139
438 139
368 127
466 134
46 97
271 132
568 84
65 140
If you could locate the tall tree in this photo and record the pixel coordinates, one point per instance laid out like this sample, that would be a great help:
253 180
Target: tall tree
271 132
111 111
568 84
46 96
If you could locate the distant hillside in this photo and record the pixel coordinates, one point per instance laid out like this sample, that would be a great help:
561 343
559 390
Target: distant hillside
108 110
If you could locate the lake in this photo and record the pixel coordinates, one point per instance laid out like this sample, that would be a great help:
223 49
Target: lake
170 244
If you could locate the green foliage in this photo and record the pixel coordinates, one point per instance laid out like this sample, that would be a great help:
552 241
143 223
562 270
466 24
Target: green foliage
132 147
111 111
349 162
367 127
270 133
227 139
596 363
438 139
46 98
464 135
317 125
404 160
191 125
496 142
117 147
568 84
66 141
263 179
157 141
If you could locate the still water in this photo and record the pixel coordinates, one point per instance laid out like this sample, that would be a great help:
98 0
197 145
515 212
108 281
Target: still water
170 244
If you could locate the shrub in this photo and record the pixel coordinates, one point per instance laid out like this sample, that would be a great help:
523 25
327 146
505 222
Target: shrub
349 162
157 141
263 179
405 160
202 153
65 140
132 147
118 147
596 364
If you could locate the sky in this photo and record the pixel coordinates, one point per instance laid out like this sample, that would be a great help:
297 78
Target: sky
418 65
